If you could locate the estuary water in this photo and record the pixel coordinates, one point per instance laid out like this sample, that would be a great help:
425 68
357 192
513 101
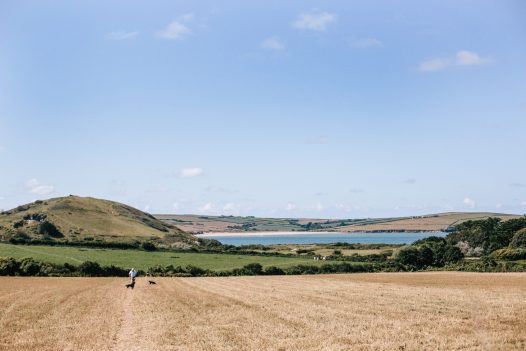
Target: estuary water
271 238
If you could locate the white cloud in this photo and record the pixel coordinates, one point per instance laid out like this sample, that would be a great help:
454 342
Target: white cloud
174 31
319 207
465 58
461 58
435 64
121 35
147 208
523 203
317 21
356 190
410 181
469 202
499 205
35 187
366 43
176 206
272 43
290 207
190 172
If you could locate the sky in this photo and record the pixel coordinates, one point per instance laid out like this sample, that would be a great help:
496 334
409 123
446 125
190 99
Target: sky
324 109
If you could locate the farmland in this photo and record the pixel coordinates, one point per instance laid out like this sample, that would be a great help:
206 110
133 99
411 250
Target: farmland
432 222
382 311
143 259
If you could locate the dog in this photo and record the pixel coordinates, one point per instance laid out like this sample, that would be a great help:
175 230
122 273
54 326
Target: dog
131 285
151 282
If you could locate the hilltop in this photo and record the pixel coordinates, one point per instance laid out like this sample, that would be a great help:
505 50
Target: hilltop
432 222
86 219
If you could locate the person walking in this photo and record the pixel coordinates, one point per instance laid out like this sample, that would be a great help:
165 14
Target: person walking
132 274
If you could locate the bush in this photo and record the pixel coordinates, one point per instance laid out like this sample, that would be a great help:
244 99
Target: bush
48 228
509 254
90 269
272 270
9 266
148 246
519 239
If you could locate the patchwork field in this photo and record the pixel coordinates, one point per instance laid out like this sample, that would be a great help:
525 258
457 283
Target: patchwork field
383 311
433 222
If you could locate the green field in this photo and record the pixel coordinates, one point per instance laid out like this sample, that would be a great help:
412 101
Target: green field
143 259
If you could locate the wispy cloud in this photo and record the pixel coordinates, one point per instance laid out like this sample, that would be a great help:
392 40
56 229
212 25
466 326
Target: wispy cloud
273 43
174 31
35 187
409 181
470 202
121 35
191 172
316 21
517 185
461 58
365 43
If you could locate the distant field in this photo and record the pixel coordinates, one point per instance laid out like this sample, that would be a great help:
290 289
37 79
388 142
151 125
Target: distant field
436 222
379 311
143 259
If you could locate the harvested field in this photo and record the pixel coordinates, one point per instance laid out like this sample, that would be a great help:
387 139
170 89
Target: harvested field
383 311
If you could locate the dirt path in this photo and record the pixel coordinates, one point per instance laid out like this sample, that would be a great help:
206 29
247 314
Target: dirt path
420 311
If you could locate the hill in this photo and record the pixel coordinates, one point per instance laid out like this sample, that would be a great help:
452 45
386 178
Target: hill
86 219
433 222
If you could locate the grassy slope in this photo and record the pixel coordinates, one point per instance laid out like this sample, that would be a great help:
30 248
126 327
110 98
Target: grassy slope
81 217
437 222
143 259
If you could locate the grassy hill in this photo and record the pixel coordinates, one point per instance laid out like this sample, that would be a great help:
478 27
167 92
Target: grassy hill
433 222
86 219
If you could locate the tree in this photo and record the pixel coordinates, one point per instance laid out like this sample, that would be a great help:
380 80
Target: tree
48 228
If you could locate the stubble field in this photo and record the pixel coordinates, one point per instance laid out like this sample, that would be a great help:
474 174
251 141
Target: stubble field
381 311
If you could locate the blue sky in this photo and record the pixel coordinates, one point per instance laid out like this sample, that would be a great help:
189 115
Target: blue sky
344 109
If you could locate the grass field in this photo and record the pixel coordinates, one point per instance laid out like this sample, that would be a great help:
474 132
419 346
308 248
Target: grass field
144 259
380 311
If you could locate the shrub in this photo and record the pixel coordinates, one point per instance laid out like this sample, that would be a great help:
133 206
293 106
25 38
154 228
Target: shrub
272 270
509 254
519 239
148 246
48 228
90 269
9 266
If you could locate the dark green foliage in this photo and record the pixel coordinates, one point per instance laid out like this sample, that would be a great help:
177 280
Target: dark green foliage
48 228
9 266
249 269
274 271
519 239
490 234
90 269
509 254
429 252
30 267
148 246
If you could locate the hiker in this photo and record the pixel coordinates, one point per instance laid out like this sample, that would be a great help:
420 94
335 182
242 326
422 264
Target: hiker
132 274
